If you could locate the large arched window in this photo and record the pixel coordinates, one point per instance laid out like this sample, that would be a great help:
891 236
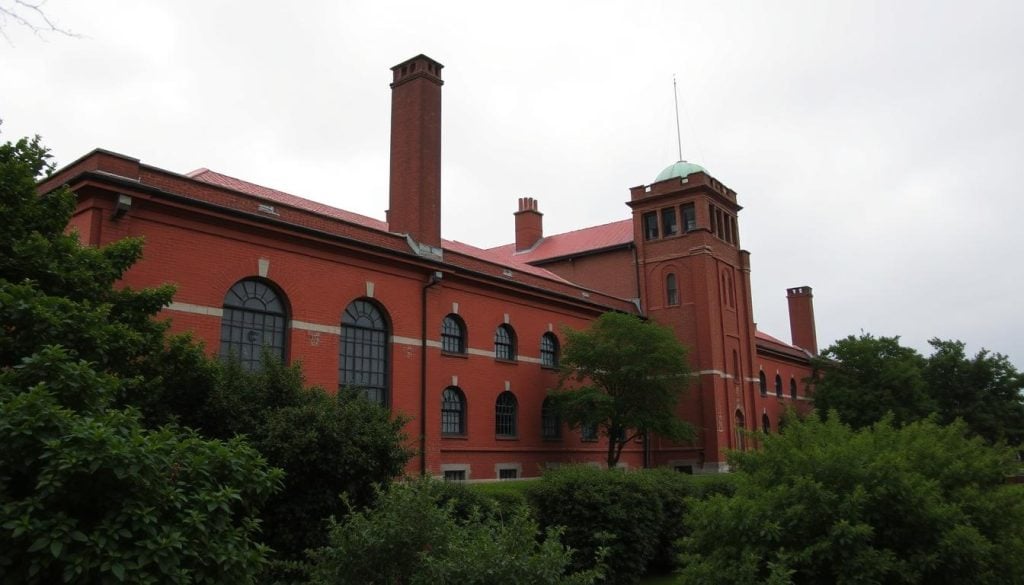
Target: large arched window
505 411
778 385
792 388
550 422
766 424
453 334
549 350
505 343
453 412
253 322
764 383
671 290
364 350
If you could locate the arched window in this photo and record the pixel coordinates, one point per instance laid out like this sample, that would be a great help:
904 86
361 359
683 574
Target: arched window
550 422
736 375
363 361
766 424
549 350
505 410
505 343
453 411
254 321
671 290
792 388
453 334
778 385
764 383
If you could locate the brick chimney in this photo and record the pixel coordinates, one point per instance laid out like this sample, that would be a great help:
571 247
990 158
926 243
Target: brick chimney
801 318
529 224
415 191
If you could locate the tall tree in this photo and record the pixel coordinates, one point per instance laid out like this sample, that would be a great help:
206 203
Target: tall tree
864 377
823 504
624 376
984 391
87 493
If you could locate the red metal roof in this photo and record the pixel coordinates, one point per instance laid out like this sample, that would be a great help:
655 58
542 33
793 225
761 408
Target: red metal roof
765 340
617 233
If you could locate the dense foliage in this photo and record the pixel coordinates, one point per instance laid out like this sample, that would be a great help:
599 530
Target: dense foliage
418 534
825 504
637 516
624 376
87 492
866 377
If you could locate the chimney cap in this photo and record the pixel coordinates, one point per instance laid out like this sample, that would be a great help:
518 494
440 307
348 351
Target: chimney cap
418 66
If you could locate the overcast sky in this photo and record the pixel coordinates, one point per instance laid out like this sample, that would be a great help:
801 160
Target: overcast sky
875 146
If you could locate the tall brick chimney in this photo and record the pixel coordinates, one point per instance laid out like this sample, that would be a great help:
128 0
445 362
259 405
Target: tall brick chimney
415 191
801 318
529 224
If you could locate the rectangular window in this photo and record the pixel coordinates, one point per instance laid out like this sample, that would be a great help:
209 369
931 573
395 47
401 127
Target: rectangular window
455 475
588 432
713 214
687 469
669 227
689 217
508 474
651 226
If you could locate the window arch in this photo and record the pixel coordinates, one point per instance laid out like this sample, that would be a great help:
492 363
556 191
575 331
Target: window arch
453 334
505 343
363 359
550 422
505 414
764 383
549 350
766 424
792 388
778 385
453 412
253 321
740 427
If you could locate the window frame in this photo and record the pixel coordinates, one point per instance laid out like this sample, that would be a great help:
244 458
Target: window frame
508 342
459 423
778 386
649 223
688 219
449 335
372 346
506 416
763 381
549 350
238 317
550 421
669 222
671 290
792 388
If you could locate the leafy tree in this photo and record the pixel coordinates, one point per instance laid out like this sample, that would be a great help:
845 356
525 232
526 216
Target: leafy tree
864 378
984 391
415 536
87 493
825 504
327 444
624 376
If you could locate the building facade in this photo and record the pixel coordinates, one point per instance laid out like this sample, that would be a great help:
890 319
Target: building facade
463 340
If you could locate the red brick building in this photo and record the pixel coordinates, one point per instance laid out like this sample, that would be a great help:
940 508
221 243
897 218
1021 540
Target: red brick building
465 340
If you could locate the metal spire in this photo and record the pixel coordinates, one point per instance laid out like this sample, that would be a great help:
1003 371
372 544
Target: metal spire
679 136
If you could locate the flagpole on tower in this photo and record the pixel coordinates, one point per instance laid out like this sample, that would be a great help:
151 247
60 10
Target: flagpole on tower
679 136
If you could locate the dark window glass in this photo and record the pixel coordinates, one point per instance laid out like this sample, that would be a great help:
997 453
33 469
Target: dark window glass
689 217
550 422
453 335
455 475
549 350
453 412
671 290
713 213
504 343
764 384
651 226
792 388
669 227
253 321
508 473
588 432
766 424
687 469
363 361
735 232
741 424
778 385
505 415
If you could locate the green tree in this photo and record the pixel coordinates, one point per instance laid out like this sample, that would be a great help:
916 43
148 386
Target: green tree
984 391
416 535
864 378
87 493
825 504
624 376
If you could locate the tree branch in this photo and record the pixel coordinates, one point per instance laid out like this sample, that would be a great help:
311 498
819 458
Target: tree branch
31 16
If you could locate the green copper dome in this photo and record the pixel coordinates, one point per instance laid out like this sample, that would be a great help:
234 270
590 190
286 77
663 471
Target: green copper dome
681 169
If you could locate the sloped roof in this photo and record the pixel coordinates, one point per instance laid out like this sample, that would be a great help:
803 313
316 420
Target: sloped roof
766 341
599 237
